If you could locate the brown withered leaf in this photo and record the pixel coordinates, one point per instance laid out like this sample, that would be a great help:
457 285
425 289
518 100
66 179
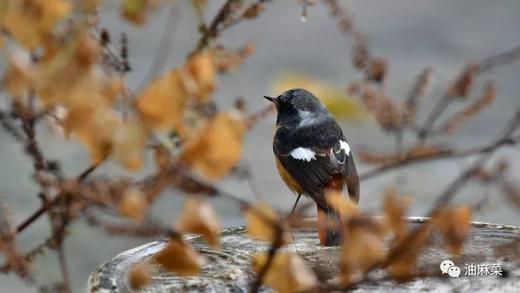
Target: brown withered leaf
133 205
287 273
217 147
259 220
140 276
342 204
230 59
462 85
405 266
180 258
31 21
128 145
163 102
395 211
471 110
454 224
198 217
363 248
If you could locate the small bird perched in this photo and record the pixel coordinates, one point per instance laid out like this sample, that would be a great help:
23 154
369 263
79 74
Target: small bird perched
313 156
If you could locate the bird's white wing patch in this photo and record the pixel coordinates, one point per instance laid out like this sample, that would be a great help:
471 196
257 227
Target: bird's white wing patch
304 154
344 145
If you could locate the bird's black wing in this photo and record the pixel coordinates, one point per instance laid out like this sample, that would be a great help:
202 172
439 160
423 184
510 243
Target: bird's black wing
329 159
351 178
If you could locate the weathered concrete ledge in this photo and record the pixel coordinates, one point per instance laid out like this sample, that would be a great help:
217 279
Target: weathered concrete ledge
229 269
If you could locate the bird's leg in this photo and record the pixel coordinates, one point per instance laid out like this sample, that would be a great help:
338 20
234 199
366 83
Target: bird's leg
296 203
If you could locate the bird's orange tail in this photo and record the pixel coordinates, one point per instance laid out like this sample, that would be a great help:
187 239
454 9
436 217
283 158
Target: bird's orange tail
330 229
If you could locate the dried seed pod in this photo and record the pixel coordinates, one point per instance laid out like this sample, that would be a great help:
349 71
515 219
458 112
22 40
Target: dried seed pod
462 86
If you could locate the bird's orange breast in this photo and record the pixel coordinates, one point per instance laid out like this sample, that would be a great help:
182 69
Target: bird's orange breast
287 178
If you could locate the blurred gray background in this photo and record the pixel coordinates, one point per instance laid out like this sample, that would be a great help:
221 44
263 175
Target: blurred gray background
411 34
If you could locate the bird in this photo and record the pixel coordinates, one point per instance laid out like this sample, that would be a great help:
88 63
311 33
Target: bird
312 156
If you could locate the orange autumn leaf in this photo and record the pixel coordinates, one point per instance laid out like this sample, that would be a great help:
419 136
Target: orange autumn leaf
70 74
364 247
140 276
128 145
31 21
201 74
405 266
133 205
395 212
287 272
259 220
94 127
341 204
163 102
217 147
454 224
180 257
198 217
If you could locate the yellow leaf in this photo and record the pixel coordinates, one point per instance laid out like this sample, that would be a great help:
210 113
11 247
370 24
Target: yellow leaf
163 102
336 101
134 10
140 276
259 223
133 205
454 224
217 147
30 21
180 257
128 145
287 272
198 217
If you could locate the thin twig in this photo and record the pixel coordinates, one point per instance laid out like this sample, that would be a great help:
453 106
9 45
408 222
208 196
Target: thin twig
165 44
212 31
275 245
63 267
439 155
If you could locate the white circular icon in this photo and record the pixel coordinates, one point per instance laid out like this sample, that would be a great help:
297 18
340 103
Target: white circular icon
445 265
454 272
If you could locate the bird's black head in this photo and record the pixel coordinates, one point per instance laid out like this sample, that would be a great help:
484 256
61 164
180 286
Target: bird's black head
298 107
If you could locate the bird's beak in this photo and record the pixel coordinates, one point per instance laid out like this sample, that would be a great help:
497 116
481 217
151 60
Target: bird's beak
270 99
